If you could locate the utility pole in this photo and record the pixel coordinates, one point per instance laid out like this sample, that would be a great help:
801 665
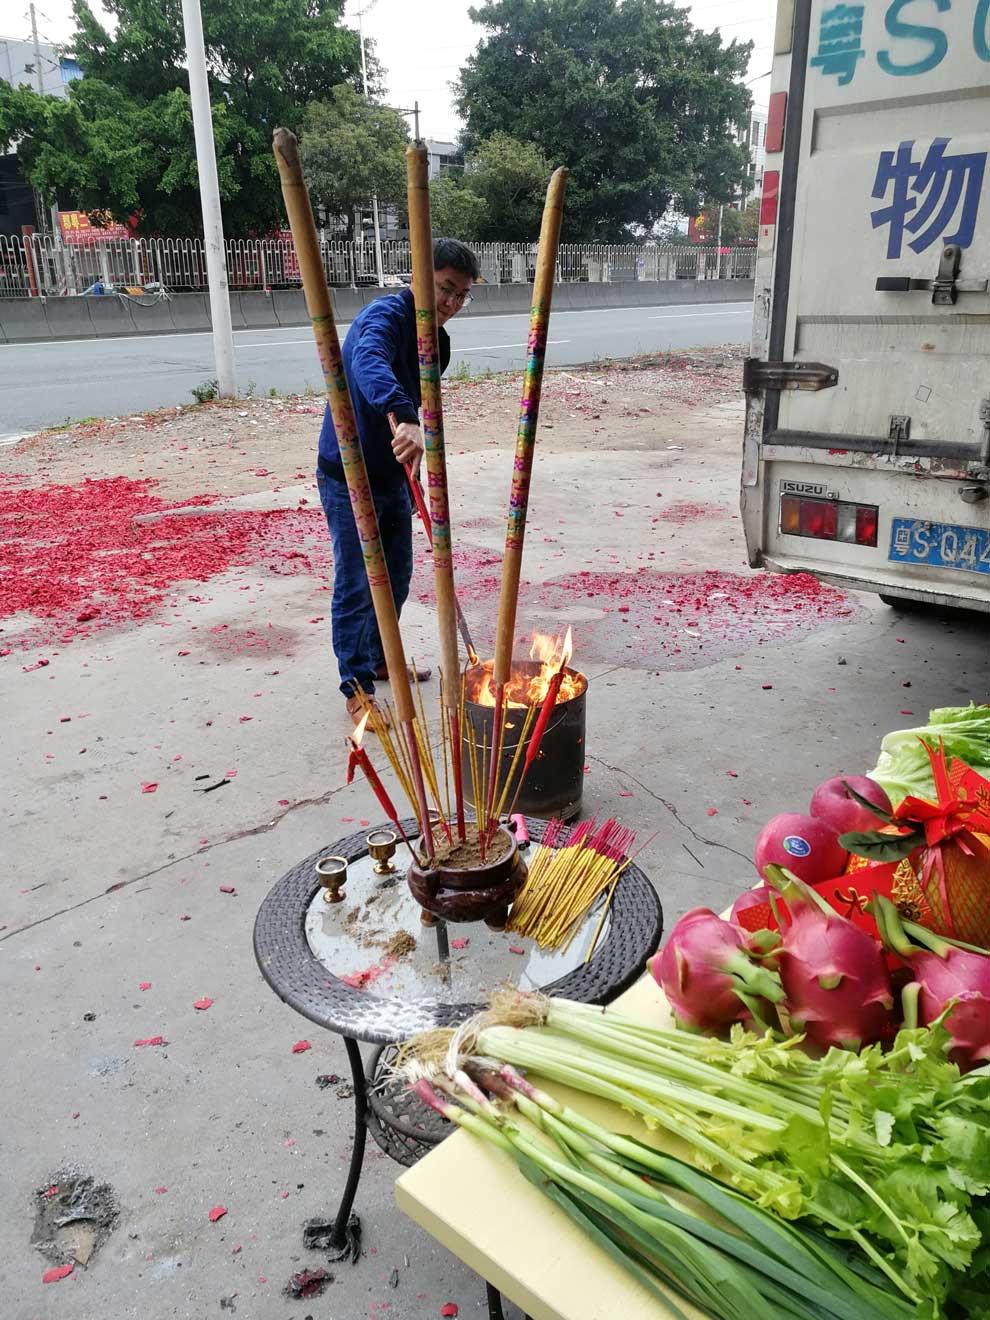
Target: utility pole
40 205
209 195
379 266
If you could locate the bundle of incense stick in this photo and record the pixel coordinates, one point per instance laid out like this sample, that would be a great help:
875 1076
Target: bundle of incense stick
569 873
381 718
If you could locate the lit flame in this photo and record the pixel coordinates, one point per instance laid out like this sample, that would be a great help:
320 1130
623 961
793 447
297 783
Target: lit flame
358 733
528 683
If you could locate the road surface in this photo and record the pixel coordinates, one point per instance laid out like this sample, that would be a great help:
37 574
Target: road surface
46 384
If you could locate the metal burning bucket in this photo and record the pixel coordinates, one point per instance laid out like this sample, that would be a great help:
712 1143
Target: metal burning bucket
555 781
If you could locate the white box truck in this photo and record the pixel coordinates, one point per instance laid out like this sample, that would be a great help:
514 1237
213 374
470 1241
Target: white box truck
866 455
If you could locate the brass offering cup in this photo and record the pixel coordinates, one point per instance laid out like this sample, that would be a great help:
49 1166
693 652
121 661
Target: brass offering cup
381 846
332 872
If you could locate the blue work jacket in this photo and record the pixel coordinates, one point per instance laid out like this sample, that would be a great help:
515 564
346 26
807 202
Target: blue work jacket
381 363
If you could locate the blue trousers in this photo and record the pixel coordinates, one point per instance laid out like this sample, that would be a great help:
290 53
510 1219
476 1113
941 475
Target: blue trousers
356 642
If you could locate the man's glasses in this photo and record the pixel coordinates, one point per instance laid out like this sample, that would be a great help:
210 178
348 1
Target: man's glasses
451 295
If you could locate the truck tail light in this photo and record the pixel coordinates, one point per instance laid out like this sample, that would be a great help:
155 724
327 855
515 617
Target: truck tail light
867 520
829 520
775 122
768 206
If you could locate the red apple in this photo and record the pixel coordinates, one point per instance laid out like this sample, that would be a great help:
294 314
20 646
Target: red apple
807 846
832 803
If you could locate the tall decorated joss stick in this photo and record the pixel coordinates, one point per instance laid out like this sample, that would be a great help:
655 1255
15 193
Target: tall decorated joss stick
428 348
359 759
314 281
522 471
416 491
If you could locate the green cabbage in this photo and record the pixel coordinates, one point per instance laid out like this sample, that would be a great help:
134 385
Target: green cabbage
904 769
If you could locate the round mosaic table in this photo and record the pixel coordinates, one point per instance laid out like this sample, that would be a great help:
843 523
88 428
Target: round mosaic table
367 969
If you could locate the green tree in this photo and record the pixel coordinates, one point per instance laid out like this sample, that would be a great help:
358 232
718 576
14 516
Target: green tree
640 104
123 141
737 226
352 148
510 178
456 211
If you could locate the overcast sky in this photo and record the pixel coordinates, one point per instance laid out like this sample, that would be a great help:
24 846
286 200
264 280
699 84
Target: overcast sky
423 43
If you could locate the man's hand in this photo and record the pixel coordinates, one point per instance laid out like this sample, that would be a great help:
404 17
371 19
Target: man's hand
407 444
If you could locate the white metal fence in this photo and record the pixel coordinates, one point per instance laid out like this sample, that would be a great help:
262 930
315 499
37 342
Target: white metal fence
41 266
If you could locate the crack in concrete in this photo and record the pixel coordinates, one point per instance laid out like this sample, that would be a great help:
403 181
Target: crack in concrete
115 888
710 843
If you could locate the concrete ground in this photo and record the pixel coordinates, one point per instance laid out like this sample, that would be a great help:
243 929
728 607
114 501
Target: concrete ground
718 698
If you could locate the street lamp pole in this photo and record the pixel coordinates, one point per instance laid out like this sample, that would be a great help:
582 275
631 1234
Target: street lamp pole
209 195
379 266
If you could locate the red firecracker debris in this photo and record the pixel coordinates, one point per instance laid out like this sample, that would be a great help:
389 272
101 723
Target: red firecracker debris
301 1046
515 948
713 811
217 1212
203 1004
160 1191
85 558
151 1040
461 943
283 802
144 985
227 889
449 1309
149 788
59 1272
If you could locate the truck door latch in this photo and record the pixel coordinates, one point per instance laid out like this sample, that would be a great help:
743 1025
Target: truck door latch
759 374
945 287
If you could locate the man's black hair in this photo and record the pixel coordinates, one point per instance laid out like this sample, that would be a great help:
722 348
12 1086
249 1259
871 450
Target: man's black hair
458 256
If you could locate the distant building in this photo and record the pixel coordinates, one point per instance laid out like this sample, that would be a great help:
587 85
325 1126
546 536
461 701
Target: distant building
18 68
443 157
753 137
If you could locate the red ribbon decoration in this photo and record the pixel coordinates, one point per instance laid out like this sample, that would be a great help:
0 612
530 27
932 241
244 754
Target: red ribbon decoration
954 819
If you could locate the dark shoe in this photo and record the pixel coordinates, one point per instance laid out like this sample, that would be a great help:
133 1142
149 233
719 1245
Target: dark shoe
418 673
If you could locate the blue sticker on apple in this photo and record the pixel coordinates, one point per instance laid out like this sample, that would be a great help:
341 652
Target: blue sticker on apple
796 846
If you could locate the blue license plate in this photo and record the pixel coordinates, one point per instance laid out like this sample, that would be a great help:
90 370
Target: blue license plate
940 545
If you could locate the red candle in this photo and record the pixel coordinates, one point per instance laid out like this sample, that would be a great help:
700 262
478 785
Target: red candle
549 701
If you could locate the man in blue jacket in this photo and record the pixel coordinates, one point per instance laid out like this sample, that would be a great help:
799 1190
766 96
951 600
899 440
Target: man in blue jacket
382 367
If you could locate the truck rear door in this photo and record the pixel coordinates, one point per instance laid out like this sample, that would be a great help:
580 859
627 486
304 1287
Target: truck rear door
875 263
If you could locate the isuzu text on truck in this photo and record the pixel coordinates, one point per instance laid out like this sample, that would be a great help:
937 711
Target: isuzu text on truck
867 445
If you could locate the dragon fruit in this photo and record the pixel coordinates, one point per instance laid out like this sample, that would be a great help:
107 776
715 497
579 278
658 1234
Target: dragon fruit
949 980
834 975
709 976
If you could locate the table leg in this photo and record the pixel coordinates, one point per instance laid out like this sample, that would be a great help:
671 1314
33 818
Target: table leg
345 1224
494 1303
443 947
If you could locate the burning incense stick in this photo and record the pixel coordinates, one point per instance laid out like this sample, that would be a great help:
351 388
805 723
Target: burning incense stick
306 243
424 292
525 447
